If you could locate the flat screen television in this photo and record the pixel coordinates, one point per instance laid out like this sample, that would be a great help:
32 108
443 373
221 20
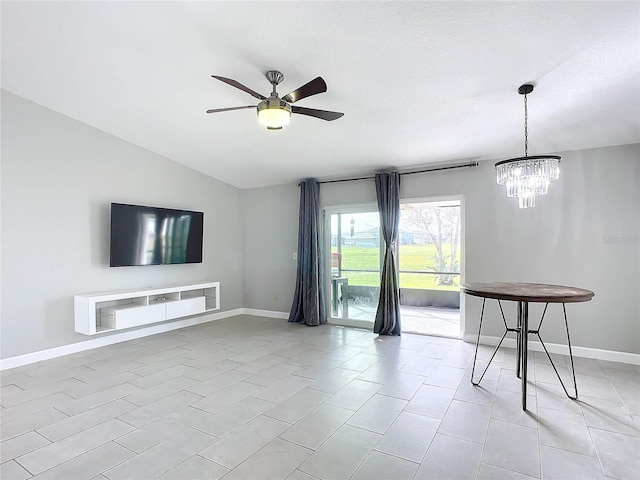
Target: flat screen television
154 236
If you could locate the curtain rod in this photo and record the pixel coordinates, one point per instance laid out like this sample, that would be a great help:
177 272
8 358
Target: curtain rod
434 169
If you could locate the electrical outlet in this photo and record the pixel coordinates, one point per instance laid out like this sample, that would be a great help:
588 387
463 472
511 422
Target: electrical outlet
295 255
275 297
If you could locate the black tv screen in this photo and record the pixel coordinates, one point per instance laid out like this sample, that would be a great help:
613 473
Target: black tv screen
154 236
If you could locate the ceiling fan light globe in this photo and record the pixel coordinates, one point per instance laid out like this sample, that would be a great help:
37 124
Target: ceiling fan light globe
274 117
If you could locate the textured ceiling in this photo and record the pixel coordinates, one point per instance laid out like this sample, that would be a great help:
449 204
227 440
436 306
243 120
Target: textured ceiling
419 82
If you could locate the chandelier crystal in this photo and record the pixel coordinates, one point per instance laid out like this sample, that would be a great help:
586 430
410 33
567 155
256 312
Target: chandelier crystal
527 177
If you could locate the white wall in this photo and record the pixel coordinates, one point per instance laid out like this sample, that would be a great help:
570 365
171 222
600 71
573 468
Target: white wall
58 179
584 233
270 221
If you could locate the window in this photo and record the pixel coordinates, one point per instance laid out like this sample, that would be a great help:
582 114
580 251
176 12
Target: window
429 245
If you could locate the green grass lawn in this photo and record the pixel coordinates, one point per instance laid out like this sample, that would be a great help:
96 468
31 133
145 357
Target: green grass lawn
412 257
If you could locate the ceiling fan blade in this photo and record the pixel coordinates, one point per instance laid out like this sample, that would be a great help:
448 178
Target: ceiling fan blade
315 86
236 84
312 112
216 110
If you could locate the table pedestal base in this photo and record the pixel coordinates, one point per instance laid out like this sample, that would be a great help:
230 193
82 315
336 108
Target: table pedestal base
522 333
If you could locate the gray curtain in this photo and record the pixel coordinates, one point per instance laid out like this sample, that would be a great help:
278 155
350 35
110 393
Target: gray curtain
308 301
387 320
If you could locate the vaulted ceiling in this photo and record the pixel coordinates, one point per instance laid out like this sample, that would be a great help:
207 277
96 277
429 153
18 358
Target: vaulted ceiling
418 82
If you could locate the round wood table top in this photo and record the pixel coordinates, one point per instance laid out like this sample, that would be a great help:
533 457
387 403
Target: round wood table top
528 292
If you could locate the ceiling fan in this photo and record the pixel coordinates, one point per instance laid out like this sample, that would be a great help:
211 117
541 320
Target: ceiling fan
274 112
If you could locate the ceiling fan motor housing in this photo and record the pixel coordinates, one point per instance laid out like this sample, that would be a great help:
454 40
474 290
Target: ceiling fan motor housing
273 102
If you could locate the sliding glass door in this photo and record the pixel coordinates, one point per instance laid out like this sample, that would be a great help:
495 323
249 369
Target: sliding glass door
430 254
353 264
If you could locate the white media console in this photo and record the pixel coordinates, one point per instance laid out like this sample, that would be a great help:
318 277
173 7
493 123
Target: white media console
105 312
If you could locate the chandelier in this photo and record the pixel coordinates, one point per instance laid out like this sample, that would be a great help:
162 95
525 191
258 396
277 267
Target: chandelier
527 177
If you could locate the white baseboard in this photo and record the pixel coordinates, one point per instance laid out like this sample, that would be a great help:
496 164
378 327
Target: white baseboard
102 341
584 352
265 313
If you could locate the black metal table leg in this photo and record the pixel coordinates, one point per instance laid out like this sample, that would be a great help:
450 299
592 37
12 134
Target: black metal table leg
573 370
523 308
475 356
518 339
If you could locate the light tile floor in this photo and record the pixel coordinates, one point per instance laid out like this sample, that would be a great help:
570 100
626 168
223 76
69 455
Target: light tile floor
254 398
